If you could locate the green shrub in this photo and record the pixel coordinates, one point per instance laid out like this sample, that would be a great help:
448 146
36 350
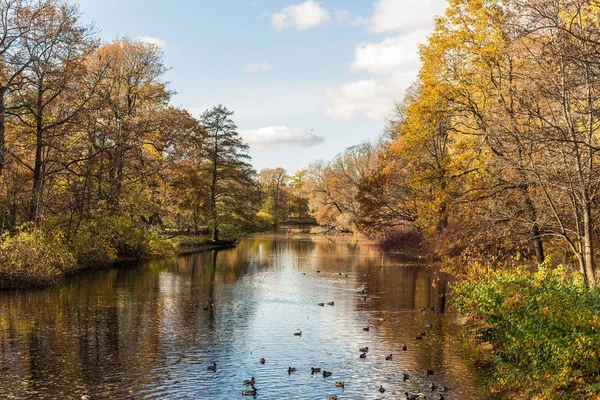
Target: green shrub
544 329
102 241
31 258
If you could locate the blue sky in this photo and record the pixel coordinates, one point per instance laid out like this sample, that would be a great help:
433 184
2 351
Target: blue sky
306 78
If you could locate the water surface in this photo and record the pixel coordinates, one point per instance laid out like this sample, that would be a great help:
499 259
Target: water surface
150 330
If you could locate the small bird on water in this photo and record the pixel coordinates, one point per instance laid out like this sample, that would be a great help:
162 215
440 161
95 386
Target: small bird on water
388 358
326 373
291 369
251 392
363 355
340 384
366 329
212 368
262 361
313 370
404 348
250 381
381 389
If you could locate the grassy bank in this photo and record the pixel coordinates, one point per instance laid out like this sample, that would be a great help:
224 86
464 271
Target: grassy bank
544 331
30 257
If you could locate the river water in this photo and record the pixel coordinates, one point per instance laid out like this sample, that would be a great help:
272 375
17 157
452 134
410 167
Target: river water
151 330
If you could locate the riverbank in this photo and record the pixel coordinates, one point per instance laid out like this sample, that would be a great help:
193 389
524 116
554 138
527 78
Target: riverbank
31 258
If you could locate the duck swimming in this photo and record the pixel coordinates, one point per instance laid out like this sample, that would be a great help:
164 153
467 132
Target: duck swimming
331 303
250 381
381 389
340 384
326 373
364 349
405 376
366 329
388 358
363 355
262 361
291 369
404 348
313 370
299 333
249 392
333 397
321 304
212 368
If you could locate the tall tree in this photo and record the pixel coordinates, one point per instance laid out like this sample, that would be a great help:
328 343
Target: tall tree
226 164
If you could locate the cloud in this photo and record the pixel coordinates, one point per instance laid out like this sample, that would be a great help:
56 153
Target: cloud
280 136
301 17
389 55
258 67
343 17
373 98
152 40
404 15
391 63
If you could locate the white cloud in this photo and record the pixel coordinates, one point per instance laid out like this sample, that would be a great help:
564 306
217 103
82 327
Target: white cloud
404 15
152 40
301 17
392 63
343 17
280 136
258 67
373 98
389 55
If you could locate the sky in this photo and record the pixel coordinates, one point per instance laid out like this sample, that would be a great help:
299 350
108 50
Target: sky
305 78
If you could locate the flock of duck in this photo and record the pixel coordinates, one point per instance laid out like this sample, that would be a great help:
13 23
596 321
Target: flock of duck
253 391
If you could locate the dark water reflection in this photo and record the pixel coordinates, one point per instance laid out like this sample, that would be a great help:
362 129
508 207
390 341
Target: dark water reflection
150 331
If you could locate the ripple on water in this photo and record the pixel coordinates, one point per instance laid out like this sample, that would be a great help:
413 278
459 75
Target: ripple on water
152 330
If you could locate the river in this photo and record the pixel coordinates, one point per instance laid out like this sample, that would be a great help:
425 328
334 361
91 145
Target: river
150 330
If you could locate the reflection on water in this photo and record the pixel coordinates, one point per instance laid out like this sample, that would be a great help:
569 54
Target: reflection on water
150 331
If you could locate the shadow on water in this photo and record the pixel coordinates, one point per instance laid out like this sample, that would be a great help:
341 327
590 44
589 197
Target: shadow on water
150 330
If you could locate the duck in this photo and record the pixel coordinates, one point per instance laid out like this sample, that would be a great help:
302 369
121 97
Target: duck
363 355
405 376
340 274
318 272
430 372
249 392
212 368
321 304
262 360
364 349
366 329
333 397
341 384
250 381
314 369
331 303
404 348
299 333
419 337
388 358
326 373
291 369
381 389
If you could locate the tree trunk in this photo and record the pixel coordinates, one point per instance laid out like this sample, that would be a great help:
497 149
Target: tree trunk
535 230
2 129
37 175
588 246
